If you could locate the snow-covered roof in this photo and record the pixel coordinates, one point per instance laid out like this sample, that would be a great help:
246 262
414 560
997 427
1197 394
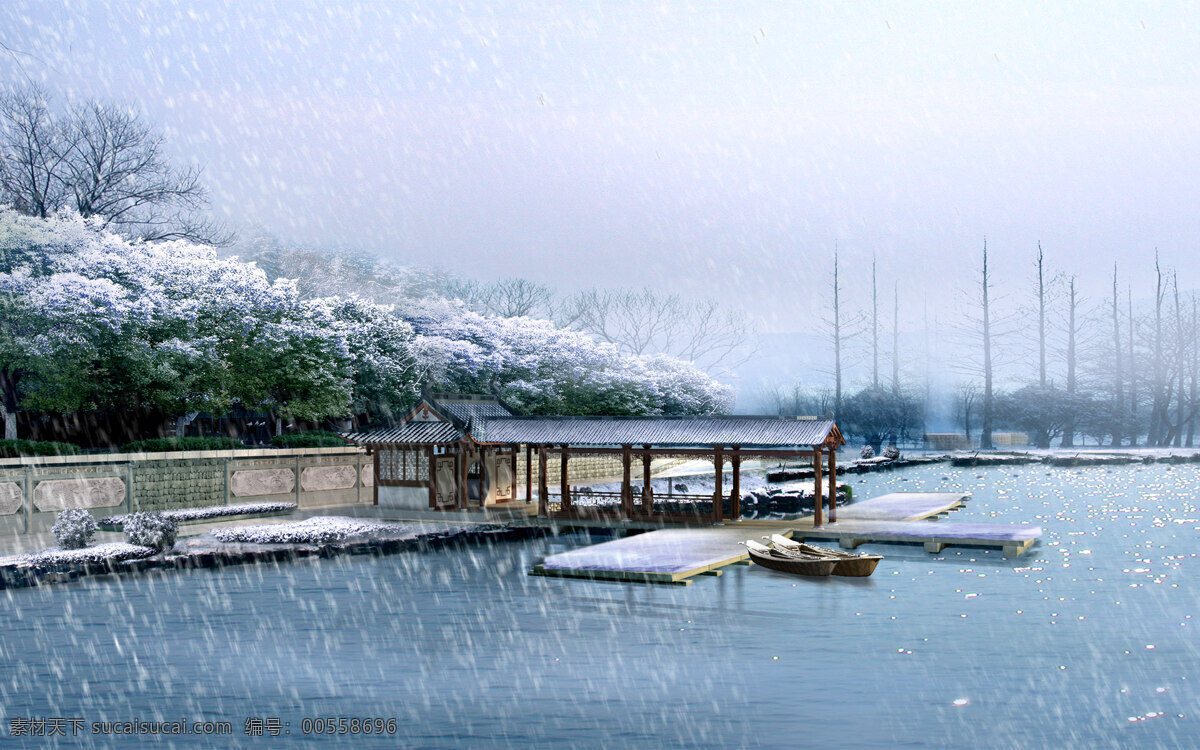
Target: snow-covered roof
425 433
744 431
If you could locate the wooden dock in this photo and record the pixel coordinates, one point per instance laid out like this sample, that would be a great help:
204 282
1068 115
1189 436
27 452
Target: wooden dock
672 556
675 556
901 517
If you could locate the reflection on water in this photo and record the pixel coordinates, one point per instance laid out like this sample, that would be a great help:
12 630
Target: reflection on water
1087 642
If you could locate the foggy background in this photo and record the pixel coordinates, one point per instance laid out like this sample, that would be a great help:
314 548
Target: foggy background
713 151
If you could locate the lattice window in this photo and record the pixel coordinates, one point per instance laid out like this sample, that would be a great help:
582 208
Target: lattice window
403 465
390 464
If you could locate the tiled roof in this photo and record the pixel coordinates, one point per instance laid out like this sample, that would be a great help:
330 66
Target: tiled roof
464 411
758 432
410 432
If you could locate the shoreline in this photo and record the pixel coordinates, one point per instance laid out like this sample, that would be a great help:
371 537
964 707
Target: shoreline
19 574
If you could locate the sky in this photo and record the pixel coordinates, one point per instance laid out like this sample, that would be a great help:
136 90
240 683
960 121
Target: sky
710 149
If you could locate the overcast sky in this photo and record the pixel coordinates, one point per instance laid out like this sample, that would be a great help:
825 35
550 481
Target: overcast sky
708 148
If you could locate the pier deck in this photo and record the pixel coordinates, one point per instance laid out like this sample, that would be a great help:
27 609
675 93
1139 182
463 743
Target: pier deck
935 536
901 517
675 556
671 556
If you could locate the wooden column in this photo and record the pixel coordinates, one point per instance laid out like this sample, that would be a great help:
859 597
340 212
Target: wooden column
528 473
818 495
432 477
513 463
374 487
718 512
832 485
647 496
464 459
735 497
626 483
566 486
543 488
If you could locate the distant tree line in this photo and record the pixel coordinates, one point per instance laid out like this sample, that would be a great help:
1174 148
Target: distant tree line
1055 366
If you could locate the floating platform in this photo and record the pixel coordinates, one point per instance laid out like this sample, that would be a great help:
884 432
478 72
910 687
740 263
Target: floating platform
675 556
900 506
900 517
935 536
671 556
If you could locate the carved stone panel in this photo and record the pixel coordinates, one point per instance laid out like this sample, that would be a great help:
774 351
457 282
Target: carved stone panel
12 498
504 479
319 478
447 481
262 482
368 475
60 494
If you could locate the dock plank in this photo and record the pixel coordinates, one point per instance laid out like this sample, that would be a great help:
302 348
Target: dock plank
1014 540
664 556
902 506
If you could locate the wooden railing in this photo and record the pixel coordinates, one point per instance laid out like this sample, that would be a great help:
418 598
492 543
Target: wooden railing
676 507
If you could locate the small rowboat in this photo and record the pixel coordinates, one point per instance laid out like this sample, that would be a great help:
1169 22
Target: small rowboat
790 562
852 564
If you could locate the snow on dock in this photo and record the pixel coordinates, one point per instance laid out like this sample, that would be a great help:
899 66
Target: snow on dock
675 556
900 517
671 556
902 506
935 536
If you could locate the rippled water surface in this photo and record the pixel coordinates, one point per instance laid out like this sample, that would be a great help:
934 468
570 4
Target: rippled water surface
1090 640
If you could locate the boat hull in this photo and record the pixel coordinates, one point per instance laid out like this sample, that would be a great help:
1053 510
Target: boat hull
818 567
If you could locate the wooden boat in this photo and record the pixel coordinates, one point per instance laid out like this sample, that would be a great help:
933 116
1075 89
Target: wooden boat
851 564
790 562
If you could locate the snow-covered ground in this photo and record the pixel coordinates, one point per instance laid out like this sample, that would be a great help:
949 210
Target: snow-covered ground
217 511
108 552
318 530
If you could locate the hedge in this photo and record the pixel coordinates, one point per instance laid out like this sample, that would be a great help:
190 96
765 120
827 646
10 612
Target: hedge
313 439
14 448
160 445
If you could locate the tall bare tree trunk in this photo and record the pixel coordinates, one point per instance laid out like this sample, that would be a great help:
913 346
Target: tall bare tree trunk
1192 405
1133 402
1068 438
837 338
1180 347
1041 284
985 435
1118 384
896 337
1158 387
874 328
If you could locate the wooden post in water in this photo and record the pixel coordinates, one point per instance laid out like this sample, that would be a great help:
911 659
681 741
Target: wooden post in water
566 487
543 485
626 488
817 493
528 473
718 514
647 495
833 485
512 495
735 497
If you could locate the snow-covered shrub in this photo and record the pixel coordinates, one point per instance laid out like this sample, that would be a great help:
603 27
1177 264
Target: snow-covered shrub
108 552
866 452
74 528
151 529
891 452
315 530
214 512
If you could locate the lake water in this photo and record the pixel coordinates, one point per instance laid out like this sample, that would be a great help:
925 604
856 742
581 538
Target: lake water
1089 641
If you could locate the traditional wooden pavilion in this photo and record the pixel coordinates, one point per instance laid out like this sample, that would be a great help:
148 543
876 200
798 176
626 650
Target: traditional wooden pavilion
454 451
